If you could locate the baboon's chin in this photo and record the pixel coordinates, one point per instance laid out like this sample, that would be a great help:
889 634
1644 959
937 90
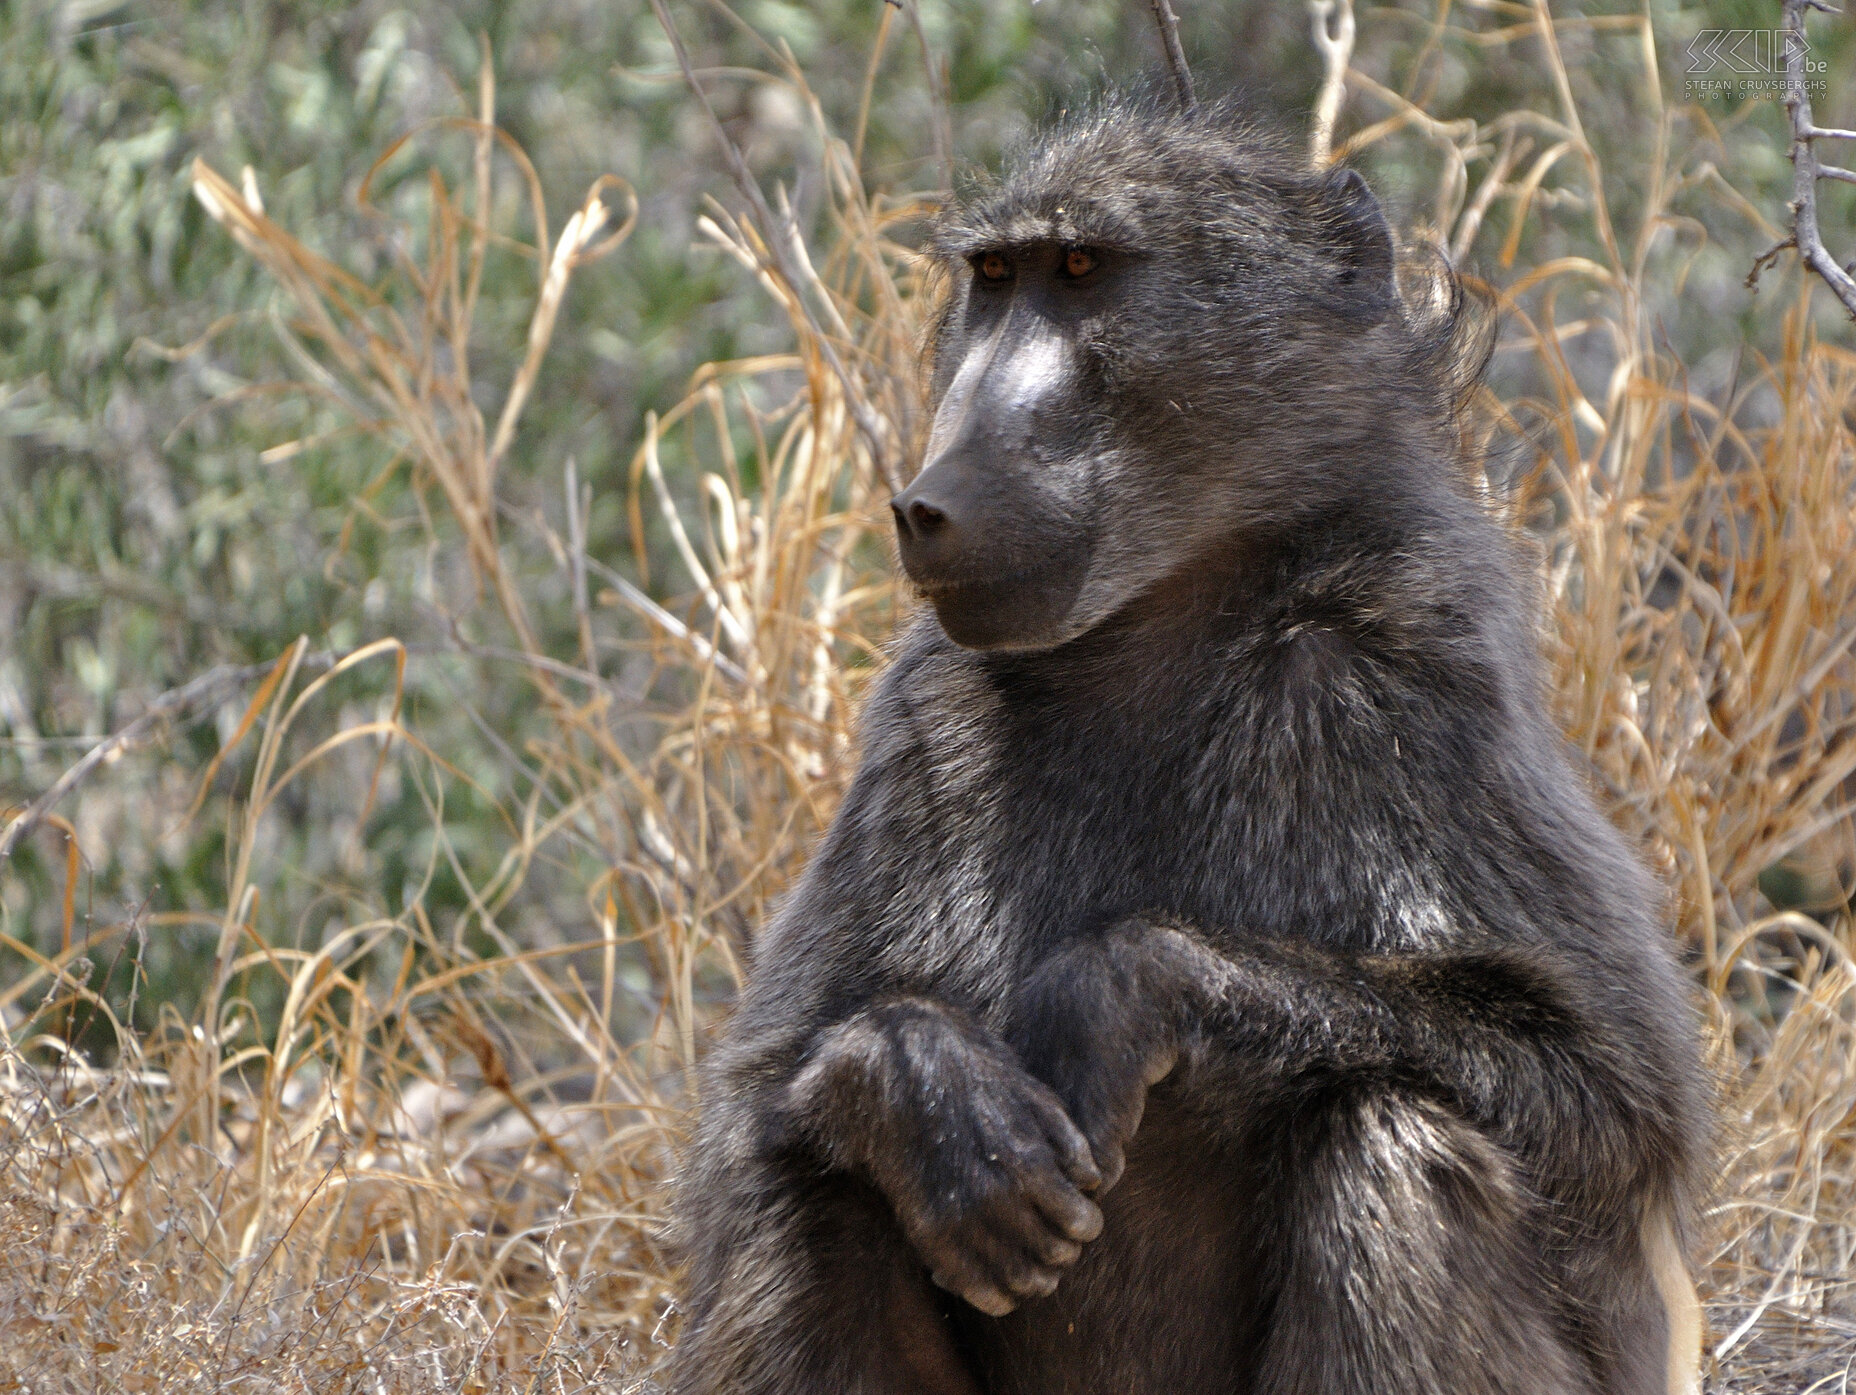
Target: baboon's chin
1021 607
998 630
1005 616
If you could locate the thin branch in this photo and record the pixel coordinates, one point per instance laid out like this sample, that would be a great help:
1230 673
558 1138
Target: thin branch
1769 257
639 601
1168 24
1514 149
1805 169
629 593
942 129
1333 34
576 557
208 687
870 425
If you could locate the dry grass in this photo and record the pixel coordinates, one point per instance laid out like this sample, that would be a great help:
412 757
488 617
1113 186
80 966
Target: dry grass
444 1169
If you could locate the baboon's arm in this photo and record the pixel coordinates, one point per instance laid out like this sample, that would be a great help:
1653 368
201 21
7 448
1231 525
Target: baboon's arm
851 1061
1496 1036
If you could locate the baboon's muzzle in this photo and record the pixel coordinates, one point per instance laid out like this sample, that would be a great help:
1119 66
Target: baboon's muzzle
982 530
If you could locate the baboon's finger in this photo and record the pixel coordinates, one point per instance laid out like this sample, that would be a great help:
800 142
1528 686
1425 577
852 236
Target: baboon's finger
1004 1254
965 1281
1110 1159
1033 1281
1029 1229
1160 1065
1074 1215
1068 1143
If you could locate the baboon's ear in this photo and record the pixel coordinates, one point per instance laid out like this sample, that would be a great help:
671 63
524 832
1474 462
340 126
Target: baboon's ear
1365 247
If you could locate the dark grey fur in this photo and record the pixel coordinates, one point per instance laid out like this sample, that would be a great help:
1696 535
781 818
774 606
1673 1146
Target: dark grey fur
1237 785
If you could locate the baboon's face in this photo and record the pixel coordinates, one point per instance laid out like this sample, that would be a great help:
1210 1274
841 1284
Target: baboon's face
1125 368
999 529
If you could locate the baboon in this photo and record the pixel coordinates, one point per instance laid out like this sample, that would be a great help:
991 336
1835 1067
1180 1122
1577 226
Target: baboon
1218 977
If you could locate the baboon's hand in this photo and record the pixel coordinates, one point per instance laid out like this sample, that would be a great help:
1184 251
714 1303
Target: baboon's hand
1100 1021
984 1169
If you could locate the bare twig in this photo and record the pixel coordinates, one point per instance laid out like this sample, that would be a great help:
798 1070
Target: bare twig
877 436
1767 258
1333 33
1514 149
628 592
576 557
1806 170
942 132
208 687
1168 24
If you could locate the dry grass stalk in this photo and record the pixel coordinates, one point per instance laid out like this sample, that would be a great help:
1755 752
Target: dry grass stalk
346 1216
327 1208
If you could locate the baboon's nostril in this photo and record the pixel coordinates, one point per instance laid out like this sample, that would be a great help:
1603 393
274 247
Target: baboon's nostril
917 518
925 518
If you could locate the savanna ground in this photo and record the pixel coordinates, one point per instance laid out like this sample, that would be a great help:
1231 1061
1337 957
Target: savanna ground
351 985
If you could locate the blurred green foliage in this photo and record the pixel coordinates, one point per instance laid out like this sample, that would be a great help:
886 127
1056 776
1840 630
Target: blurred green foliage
144 537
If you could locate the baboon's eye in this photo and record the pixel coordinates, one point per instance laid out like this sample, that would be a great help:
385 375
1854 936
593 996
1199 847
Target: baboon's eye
1078 262
993 267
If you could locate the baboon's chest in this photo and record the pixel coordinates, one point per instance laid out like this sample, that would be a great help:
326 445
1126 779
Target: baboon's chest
1232 816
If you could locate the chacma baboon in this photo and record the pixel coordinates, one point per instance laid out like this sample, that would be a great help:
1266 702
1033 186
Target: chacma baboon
1217 977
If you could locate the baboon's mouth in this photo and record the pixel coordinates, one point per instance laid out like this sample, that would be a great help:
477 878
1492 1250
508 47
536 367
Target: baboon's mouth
948 587
988 585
